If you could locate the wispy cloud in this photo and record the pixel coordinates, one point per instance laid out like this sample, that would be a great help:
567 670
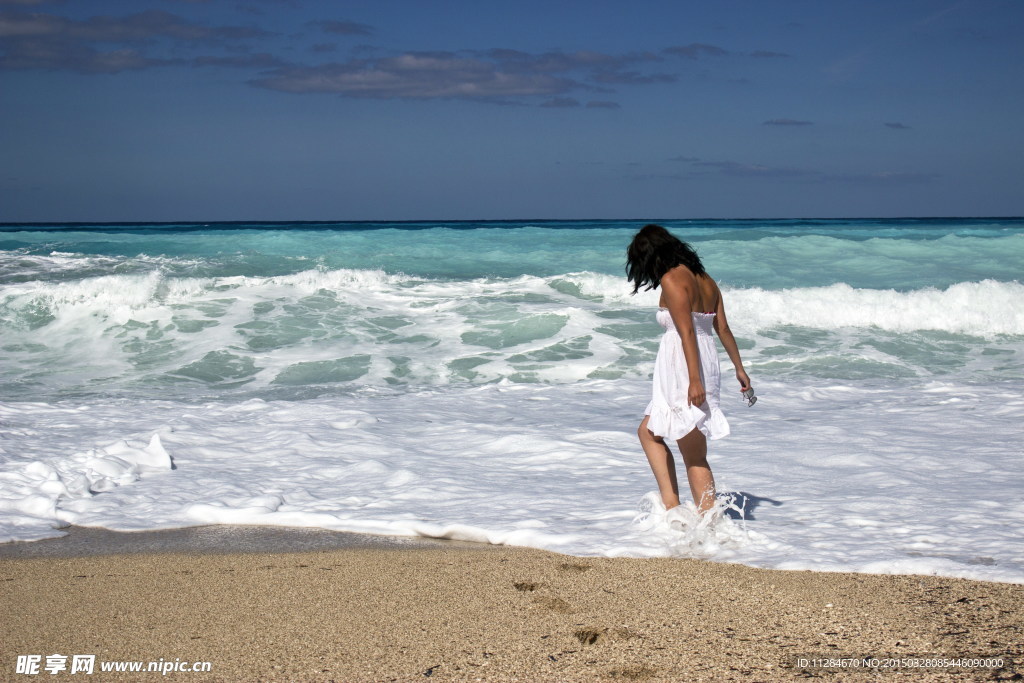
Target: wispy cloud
556 62
897 126
489 75
632 78
416 75
646 177
249 5
696 50
882 178
734 168
135 27
261 60
603 104
936 16
344 28
562 102
595 67
787 122
748 170
84 60
849 66
46 41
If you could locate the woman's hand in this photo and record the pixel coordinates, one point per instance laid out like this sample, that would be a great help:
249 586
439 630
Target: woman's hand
743 379
695 395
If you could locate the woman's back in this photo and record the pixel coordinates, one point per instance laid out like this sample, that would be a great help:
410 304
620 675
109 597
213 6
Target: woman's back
705 295
708 294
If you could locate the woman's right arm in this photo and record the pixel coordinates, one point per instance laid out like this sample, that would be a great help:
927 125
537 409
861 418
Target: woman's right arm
729 342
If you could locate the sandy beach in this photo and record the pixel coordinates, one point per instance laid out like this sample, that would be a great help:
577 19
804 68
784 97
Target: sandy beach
494 613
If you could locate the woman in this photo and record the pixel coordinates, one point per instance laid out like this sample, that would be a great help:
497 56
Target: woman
687 375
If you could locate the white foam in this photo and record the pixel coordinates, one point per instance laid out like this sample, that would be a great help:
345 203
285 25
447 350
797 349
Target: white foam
836 477
36 494
985 309
169 333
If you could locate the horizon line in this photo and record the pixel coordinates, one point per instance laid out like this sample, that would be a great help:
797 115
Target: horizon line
7 224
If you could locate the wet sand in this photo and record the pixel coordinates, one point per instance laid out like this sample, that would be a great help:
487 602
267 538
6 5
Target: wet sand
467 612
215 539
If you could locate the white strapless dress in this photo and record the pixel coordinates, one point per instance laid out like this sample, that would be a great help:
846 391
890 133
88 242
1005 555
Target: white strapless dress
671 418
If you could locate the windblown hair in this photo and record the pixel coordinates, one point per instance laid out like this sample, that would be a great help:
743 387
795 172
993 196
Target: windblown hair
653 252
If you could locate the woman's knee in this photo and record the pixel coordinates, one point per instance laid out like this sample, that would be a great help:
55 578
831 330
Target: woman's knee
645 434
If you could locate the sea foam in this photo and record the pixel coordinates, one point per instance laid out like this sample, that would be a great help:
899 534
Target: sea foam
834 477
146 332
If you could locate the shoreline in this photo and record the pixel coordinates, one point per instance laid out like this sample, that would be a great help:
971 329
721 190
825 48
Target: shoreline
213 539
495 613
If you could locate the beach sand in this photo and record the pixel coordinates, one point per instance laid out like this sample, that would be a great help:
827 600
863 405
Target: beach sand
465 612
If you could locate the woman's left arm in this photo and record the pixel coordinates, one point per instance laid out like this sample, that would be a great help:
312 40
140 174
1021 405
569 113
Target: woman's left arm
729 343
679 286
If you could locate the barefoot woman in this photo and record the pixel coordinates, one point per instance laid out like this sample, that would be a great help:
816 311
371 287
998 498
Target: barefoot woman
687 376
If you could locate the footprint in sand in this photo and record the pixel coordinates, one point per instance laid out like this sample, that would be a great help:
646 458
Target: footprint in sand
525 586
554 604
593 635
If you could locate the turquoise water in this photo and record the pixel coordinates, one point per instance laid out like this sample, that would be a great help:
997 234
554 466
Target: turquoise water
899 254
198 311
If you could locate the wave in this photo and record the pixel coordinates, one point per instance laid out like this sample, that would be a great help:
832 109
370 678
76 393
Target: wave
986 308
351 327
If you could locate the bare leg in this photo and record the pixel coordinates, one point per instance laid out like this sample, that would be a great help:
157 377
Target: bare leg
694 447
662 464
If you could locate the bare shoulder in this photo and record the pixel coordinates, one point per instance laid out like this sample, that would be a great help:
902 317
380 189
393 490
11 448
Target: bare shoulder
680 276
678 287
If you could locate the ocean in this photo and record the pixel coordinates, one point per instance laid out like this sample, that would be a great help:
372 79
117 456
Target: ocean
483 381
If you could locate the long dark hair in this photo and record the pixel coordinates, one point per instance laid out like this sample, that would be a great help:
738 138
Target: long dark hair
653 252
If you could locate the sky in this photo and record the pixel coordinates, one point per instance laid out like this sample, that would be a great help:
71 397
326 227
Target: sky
219 110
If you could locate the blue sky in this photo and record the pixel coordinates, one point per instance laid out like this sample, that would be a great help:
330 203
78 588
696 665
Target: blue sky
163 110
